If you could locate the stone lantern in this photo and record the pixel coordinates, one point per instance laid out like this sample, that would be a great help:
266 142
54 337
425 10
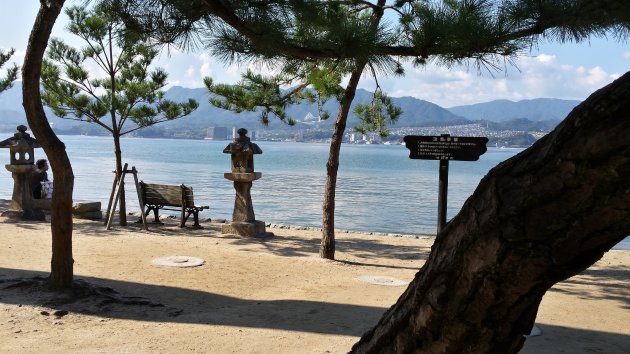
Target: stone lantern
22 163
244 221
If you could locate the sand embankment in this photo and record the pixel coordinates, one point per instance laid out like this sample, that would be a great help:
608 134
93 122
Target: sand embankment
255 296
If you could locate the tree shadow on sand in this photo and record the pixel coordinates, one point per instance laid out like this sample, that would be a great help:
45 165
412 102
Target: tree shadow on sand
363 249
146 302
579 341
610 283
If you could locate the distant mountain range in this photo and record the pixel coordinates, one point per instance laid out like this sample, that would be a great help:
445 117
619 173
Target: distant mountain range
536 110
416 113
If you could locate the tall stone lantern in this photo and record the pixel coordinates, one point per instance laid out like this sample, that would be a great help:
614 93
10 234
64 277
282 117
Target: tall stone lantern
22 163
244 221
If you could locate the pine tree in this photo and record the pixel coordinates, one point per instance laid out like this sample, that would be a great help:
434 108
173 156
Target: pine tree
7 82
127 93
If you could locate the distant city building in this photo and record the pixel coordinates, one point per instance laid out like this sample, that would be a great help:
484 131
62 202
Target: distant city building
311 118
250 133
372 138
217 133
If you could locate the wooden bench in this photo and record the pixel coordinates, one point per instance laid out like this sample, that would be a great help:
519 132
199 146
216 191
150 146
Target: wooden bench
161 196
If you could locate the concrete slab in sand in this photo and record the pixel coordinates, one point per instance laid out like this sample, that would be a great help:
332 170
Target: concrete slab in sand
382 280
179 261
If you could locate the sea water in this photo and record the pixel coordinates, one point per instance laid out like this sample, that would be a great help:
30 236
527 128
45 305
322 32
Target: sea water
379 188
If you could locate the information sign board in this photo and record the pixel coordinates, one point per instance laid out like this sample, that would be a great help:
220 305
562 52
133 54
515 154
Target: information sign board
445 147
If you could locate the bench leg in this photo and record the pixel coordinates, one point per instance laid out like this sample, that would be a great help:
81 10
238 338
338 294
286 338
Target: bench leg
156 216
183 219
146 213
195 214
196 217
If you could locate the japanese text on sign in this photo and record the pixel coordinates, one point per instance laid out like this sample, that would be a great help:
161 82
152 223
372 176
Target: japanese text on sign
445 147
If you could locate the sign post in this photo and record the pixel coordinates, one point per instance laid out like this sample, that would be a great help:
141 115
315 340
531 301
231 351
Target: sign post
445 148
442 194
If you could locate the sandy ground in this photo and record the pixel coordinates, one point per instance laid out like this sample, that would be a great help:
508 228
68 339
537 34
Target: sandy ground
256 296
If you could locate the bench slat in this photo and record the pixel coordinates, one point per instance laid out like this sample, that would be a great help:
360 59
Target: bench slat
162 194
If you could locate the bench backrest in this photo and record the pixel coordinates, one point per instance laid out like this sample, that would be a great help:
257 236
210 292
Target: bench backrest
189 200
166 194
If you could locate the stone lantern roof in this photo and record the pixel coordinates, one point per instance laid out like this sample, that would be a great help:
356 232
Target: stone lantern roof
242 145
17 137
242 151
21 146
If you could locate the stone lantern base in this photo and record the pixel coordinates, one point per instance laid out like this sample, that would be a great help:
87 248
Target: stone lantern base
22 203
34 214
255 228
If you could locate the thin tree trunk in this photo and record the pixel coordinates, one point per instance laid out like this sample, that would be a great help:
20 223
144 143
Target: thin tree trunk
119 169
534 220
327 246
116 129
61 274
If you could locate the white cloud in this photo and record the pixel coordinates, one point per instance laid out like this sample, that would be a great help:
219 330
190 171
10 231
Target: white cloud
448 87
545 58
562 81
205 68
190 72
533 77
594 77
16 58
209 66
543 75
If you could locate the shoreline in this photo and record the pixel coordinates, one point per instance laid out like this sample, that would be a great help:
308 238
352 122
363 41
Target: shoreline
623 245
370 233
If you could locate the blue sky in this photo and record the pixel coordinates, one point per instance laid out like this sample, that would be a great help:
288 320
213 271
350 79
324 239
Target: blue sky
567 71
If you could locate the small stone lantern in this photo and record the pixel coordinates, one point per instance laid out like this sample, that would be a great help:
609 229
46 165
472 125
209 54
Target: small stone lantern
21 147
244 221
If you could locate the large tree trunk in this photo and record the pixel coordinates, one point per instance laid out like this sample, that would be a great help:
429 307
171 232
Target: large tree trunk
534 220
61 273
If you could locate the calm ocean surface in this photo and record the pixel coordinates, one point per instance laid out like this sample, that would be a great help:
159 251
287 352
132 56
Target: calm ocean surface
379 188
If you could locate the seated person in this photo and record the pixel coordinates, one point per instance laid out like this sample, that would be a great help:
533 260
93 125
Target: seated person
38 176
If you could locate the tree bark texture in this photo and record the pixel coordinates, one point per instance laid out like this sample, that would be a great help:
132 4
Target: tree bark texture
536 219
61 273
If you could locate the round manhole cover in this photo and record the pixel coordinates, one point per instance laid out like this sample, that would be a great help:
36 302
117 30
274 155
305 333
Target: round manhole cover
179 261
382 280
